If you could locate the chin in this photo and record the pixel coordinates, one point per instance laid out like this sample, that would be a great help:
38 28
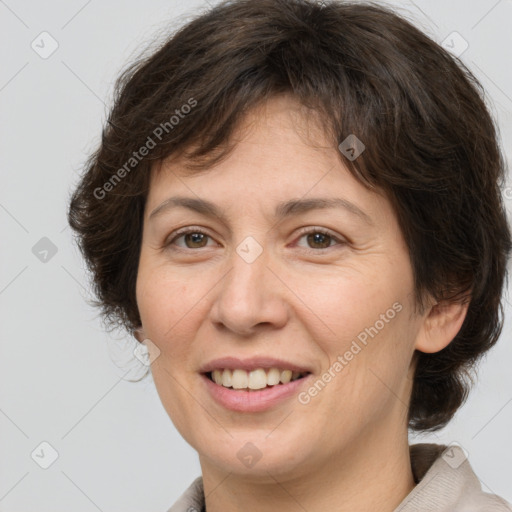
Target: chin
256 454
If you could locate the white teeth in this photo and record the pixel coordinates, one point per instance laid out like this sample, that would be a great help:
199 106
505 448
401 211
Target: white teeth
217 376
273 376
227 378
255 379
286 376
239 380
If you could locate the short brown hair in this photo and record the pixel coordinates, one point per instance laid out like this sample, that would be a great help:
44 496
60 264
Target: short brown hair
431 146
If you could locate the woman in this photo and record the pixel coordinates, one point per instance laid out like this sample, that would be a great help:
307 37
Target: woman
296 208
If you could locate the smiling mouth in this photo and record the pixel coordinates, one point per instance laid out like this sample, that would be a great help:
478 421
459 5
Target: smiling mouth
255 380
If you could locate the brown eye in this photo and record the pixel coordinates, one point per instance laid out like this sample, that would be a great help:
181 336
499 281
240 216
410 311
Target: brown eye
193 238
319 240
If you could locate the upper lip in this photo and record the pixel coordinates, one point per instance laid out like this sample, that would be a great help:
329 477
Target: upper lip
252 363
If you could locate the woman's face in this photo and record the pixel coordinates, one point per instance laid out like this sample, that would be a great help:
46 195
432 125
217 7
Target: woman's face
274 282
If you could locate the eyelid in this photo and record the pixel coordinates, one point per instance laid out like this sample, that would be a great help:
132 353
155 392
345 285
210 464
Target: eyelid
340 240
318 229
184 231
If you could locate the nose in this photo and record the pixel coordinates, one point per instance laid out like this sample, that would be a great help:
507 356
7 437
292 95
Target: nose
250 297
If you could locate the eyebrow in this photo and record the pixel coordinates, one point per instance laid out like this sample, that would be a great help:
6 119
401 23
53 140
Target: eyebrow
283 210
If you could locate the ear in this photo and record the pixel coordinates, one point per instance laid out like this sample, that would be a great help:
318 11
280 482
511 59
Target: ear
441 324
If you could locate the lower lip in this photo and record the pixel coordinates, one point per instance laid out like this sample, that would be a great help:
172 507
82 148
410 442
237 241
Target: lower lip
253 401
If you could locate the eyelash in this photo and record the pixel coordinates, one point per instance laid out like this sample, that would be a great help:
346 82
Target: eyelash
302 232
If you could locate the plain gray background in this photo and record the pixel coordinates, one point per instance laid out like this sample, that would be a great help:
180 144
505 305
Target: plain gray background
63 379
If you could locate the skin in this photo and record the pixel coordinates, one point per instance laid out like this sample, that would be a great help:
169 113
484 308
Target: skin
301 300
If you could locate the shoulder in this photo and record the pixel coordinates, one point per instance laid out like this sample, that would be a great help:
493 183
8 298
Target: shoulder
192 500
447 482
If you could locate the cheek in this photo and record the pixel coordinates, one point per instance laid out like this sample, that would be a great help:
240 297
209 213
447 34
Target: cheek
366 322
345 303
162 298
376 360
177 402
165 304
172 309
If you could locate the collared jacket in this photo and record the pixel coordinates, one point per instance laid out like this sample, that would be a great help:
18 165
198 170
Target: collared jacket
445 482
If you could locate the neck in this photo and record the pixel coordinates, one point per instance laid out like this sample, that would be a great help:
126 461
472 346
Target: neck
373 473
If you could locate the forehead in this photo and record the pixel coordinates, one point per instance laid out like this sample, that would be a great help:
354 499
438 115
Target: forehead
280 152
274 124
279 130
